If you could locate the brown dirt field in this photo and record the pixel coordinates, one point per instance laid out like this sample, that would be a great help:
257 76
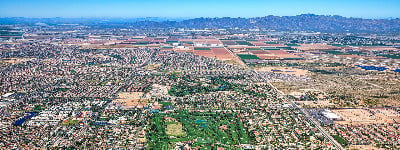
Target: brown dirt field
369 147
16 60
131 95
283 70
257 43
362 116
267 56
316 104
317 46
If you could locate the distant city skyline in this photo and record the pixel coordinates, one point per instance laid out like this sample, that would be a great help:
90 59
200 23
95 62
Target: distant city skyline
372 9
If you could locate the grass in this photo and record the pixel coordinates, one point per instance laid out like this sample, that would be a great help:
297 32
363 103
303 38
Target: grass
339 139
248 56
165 103
202 48
62 89
39 108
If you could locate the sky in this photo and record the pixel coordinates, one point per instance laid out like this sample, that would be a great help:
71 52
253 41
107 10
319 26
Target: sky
372 9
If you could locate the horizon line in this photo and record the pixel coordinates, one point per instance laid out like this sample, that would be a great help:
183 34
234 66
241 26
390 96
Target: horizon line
182 17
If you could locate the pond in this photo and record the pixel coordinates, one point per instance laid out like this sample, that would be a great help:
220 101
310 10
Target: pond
19 122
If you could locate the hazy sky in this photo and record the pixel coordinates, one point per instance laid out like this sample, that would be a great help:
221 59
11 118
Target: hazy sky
198 8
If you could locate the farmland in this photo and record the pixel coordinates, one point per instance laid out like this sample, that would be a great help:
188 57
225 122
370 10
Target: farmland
248 56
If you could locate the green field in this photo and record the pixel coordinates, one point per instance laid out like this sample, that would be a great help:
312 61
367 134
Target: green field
254 49
202 48
292 45
339 139
171 42
396 56
209 129
188 42
244 43
271 48
63 89
271 42
248 56
336 52
355 52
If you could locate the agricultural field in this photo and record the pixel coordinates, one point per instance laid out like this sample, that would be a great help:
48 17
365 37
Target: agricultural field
247 56
397 56
244 43
336 52
292 45
206 130
202 48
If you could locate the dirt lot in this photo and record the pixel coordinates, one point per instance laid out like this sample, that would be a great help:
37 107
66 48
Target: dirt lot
284 70
16 60
316 104
131 99
366 116
350 87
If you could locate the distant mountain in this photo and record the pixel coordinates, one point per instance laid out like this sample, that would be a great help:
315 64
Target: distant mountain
304 22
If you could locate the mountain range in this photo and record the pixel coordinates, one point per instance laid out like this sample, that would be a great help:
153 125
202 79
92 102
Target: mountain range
304 22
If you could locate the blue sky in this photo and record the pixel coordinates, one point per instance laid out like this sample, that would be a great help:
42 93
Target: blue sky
198 8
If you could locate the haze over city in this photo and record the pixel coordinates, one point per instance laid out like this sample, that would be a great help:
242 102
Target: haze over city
197 8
